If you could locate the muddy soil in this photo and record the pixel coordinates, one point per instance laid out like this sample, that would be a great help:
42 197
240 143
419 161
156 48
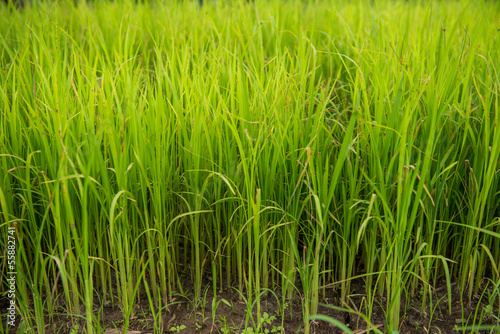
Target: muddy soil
231 314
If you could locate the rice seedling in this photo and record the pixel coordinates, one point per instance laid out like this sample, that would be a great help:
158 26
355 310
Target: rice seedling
281 149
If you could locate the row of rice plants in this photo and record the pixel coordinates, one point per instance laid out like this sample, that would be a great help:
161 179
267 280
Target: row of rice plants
268 145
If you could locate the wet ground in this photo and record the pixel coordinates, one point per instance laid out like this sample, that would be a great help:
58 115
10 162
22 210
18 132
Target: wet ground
231 314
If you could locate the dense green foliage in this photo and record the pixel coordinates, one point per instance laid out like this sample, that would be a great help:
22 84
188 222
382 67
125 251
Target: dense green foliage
267 144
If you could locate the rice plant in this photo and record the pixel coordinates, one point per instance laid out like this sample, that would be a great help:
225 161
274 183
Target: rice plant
147 148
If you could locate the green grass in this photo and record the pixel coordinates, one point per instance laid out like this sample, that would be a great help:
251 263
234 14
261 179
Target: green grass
275 144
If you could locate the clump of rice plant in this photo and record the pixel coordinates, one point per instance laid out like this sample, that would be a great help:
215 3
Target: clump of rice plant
265 144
